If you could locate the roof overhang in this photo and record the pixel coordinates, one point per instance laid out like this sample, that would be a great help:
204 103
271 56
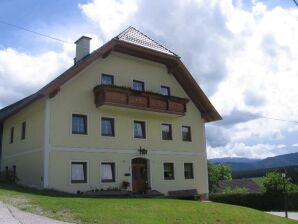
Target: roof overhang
173 63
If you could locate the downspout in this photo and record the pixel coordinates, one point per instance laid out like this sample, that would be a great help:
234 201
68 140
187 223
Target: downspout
46 144
1 137
205 196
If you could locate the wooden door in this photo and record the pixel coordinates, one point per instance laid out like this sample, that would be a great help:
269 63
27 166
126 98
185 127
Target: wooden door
139 175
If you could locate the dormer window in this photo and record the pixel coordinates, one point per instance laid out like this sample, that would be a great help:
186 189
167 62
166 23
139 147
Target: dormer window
107 79
138 85
165 90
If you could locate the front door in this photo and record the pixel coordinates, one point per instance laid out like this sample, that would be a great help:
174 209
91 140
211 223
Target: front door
139 175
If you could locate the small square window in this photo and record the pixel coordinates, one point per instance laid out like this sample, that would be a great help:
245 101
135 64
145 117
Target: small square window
107 172
168 171
166 130
165 90
107 126
107 79
23 133
139 129
188 170
186 133
11 135
138 85
78 172
79 124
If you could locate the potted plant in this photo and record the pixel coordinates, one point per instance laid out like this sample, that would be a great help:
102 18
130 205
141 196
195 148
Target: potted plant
125 184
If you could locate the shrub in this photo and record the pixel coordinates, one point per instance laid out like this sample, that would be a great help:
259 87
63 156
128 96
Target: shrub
8 177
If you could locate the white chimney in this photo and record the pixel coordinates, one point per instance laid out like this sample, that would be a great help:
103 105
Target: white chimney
82 48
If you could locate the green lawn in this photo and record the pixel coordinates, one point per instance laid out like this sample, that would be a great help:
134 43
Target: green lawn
130 211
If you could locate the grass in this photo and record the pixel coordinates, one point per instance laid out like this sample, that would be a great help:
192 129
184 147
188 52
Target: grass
81 209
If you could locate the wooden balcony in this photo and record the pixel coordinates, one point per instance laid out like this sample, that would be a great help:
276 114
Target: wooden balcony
126 97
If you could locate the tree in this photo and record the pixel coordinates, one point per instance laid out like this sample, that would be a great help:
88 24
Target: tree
274 183
217 173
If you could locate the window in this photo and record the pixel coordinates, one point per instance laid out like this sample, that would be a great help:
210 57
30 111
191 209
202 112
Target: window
107 79
168 172
107 171
11 135
107 126
79 124
165 90
188 170
23 133
78 172
139 129
166 130
186 133
138 85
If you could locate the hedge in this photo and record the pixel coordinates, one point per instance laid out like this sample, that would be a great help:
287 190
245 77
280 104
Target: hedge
260 201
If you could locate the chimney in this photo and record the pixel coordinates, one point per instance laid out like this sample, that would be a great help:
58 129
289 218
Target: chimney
82 48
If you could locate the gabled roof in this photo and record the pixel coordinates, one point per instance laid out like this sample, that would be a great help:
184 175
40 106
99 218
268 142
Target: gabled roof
135 43
134 36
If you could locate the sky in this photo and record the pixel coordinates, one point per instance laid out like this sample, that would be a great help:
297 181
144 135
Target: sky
243 54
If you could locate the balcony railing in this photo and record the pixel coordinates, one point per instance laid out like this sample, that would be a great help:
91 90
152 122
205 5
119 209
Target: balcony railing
126 97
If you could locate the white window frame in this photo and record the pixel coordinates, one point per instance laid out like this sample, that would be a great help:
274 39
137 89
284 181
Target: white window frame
166 86
107 74
174 169
115 120
137 80
88 123
116 177
167 140
133 129
190 129
193 170
87 171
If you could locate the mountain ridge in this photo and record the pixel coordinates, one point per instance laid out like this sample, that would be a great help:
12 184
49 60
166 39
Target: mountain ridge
242 163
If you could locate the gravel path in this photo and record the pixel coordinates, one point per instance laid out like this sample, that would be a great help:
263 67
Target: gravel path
12 215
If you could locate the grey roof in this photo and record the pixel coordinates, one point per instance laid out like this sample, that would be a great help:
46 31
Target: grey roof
6 111
134 36
248 183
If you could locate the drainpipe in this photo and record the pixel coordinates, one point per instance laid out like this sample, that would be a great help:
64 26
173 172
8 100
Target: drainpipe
1 137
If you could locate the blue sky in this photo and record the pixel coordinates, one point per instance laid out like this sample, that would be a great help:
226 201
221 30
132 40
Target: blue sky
242 53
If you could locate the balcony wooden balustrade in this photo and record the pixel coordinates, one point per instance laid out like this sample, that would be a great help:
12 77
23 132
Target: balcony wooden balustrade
126 97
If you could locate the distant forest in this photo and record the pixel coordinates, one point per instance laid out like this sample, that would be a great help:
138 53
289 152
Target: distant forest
292 172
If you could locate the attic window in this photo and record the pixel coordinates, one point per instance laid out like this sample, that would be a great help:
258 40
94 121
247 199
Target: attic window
165 90
107 79
138 85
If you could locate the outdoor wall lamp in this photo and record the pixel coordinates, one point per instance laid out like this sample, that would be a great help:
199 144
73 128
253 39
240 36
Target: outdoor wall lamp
142 151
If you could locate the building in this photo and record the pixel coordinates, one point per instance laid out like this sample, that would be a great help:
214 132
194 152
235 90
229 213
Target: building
129 112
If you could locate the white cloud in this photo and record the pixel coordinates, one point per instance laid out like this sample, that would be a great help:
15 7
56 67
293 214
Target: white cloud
244 58
259 151
109 15
21 73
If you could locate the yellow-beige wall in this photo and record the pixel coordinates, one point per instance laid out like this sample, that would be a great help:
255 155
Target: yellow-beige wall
26 154
76 96
60 174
